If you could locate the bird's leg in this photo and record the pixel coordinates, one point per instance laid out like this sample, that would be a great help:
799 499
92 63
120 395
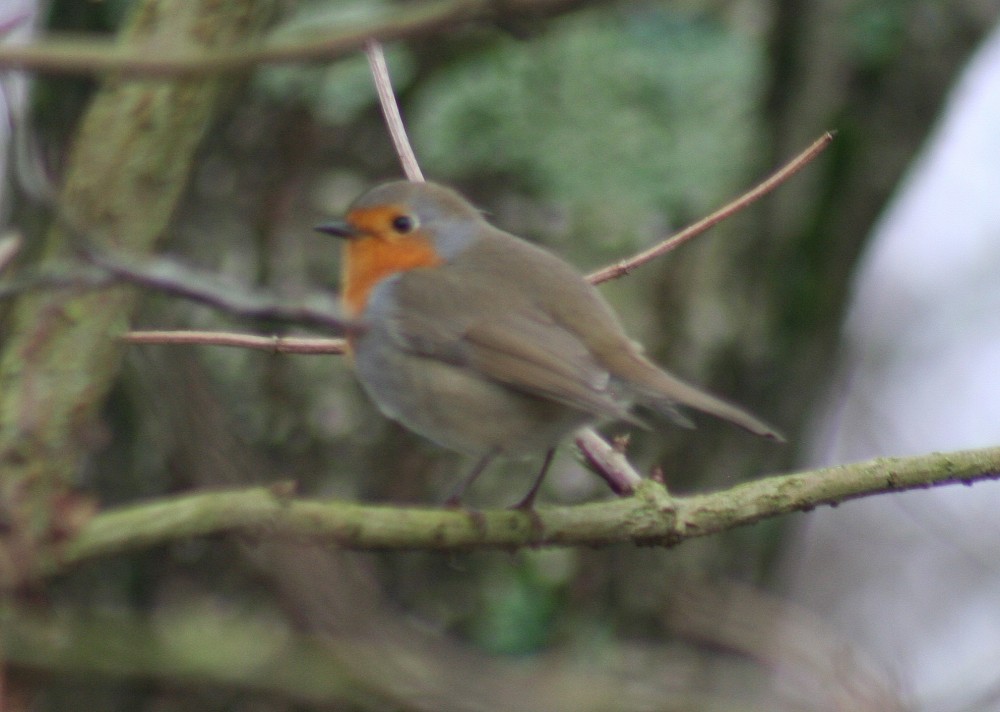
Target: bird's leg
527 502
455 497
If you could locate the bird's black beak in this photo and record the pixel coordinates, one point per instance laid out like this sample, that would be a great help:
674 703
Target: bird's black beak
337 228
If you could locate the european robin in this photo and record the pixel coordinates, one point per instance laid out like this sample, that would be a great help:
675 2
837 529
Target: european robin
483 342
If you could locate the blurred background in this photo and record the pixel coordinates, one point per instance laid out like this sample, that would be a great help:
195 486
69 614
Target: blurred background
857 309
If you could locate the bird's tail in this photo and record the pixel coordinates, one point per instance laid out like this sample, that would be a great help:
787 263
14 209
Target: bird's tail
664 392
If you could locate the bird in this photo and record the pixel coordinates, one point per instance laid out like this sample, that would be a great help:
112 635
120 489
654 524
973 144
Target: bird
485 343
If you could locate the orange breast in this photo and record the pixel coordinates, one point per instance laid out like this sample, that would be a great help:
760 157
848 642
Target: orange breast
370 259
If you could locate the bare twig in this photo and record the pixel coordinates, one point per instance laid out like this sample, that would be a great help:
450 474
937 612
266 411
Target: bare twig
784 173
275 344
172 278
613 466
390 110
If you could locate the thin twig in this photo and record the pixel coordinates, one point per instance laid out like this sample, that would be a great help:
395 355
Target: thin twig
169 277
172 278
780 176
390 110
274 344
613 466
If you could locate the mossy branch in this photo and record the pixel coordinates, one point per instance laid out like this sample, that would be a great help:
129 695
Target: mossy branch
651 516
126 170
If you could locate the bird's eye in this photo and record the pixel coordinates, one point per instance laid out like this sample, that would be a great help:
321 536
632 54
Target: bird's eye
403 224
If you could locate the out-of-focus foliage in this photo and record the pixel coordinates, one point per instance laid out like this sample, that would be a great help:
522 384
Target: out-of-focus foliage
877 31
627 119
518 608
596 133
338 92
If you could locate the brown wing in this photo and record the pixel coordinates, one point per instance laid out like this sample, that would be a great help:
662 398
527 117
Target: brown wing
487 327
566 298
